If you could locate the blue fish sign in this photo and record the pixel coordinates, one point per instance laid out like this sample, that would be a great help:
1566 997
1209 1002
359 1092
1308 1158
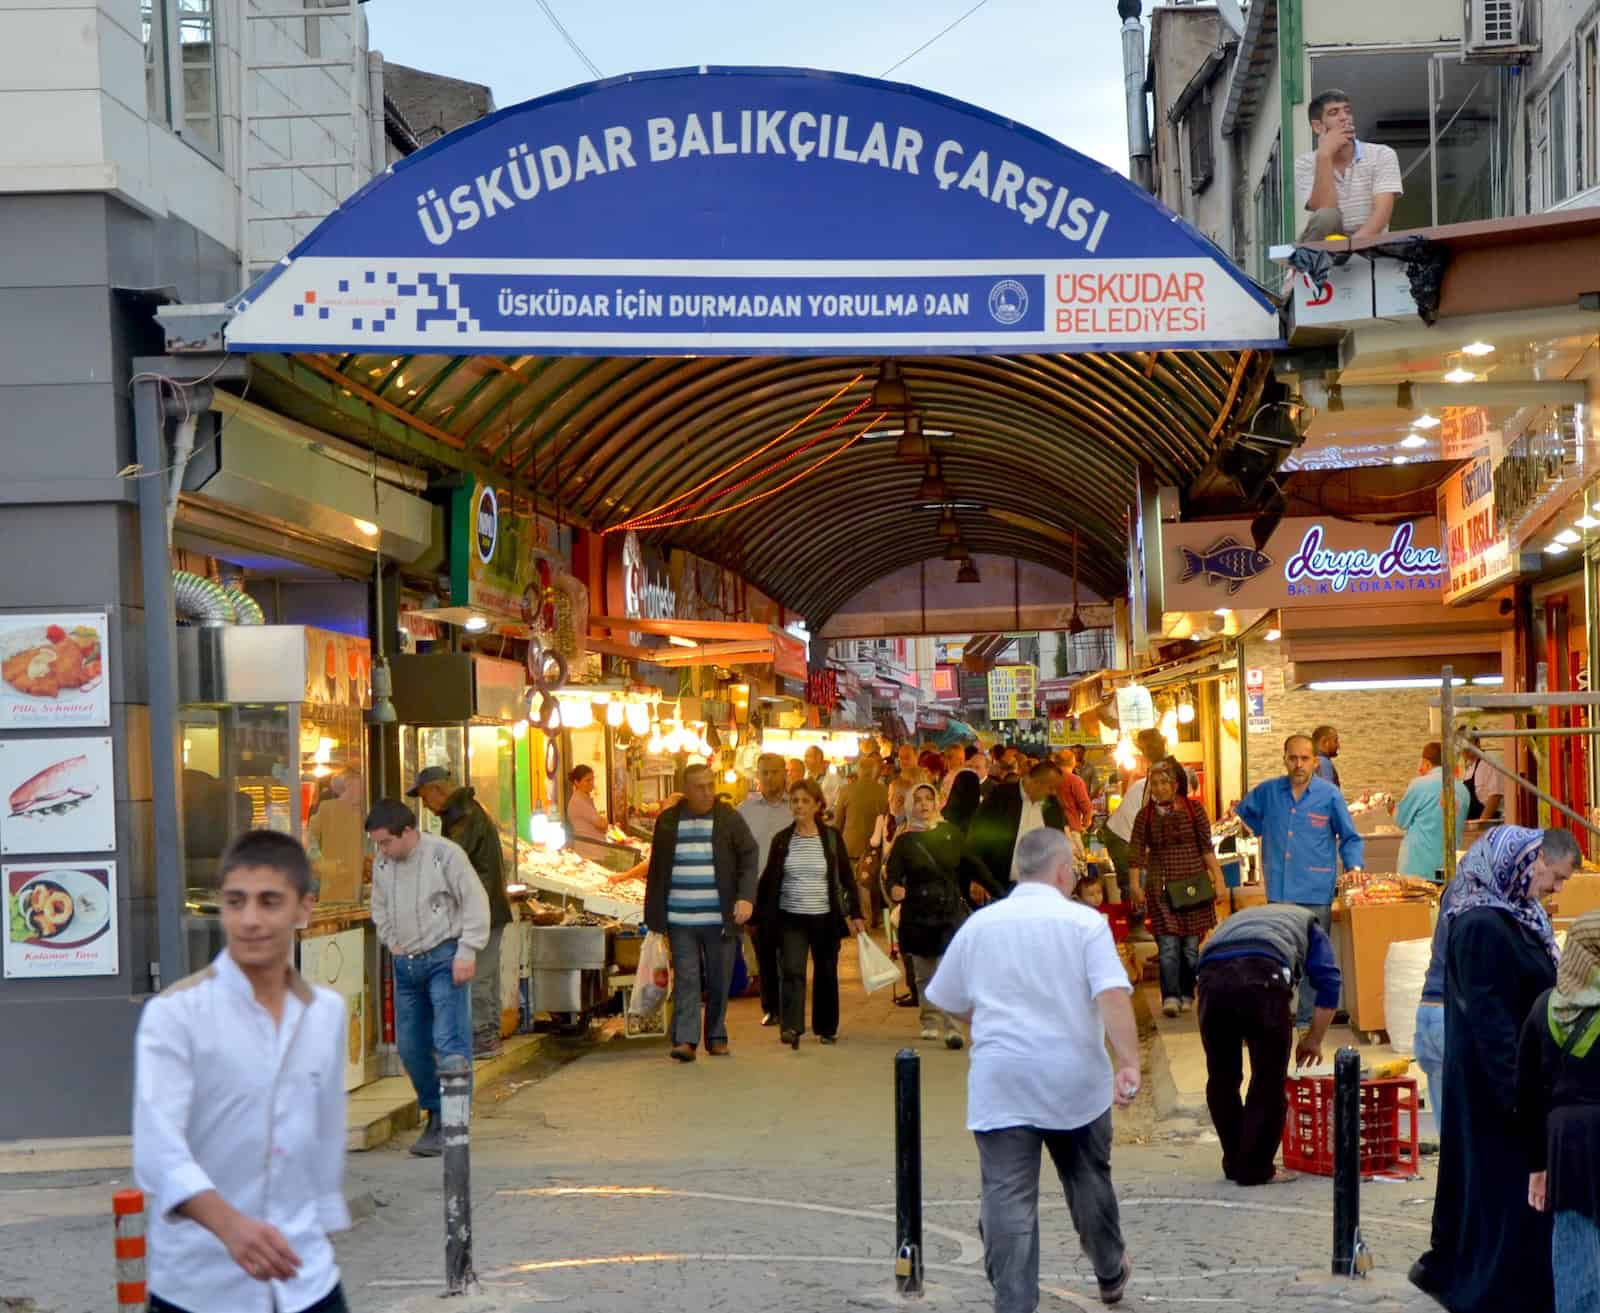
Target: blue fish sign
1226 561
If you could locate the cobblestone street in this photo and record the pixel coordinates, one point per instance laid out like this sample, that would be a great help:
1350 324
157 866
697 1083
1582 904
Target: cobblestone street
763 1181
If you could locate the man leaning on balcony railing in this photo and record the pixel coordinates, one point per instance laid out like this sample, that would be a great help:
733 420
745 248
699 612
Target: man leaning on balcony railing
1347 186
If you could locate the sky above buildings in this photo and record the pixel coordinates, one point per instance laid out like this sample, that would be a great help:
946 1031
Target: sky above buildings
1055 65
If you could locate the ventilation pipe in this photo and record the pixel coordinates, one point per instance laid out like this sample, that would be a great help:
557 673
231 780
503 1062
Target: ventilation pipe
246 610
200 600
1140 168
196 401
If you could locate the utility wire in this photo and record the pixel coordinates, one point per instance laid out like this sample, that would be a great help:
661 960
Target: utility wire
571 43
941 32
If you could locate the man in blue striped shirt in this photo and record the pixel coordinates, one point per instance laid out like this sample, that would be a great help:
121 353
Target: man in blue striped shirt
700 888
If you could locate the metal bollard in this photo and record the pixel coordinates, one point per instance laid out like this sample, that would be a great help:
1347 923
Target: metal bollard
908 1173
455 1116
127 1213
1346 1162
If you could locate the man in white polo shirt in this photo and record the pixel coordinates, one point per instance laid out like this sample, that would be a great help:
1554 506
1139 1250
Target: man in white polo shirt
1346 186
1038 978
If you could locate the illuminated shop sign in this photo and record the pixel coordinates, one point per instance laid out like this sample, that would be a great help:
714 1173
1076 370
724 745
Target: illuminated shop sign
1315 568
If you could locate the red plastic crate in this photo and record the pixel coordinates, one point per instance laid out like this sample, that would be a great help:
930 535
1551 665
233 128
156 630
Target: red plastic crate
1117 915
1388 1126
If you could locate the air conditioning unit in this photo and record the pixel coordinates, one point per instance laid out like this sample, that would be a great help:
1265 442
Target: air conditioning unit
1500 31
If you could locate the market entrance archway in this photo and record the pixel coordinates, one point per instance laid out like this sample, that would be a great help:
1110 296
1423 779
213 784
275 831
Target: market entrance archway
660 301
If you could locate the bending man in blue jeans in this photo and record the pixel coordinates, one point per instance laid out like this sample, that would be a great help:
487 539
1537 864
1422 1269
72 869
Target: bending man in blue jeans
1305 832
1038 978
431 912
699 891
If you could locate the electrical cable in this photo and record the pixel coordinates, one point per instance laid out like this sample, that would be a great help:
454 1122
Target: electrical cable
943 31
568 38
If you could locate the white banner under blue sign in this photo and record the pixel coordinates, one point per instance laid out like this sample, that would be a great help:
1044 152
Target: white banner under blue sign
750 210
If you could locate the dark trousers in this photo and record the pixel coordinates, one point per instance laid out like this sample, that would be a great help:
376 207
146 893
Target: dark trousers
332 1302
702 964
766 939
816 937
1008 1217
1244 1004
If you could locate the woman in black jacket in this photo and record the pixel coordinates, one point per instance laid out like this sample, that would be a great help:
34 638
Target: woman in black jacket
927 873
807 898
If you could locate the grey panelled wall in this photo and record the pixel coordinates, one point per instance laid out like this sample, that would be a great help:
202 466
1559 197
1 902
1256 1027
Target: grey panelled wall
69 539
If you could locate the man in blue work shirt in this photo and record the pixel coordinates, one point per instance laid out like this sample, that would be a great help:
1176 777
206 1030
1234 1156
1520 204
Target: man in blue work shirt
1305 829
1325 738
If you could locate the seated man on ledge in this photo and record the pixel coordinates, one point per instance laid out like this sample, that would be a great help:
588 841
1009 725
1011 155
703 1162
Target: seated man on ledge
1347 186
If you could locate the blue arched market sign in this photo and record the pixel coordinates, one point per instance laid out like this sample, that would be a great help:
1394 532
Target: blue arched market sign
750 211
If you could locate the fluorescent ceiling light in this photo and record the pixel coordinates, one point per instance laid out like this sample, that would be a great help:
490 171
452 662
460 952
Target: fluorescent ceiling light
1375 685
677 641
1401 460
1555 549
367 527
1412 441
1586 521
1488 681
1459 375
1478 349
1223 612
1426 421
476 624
1273 635
1569 537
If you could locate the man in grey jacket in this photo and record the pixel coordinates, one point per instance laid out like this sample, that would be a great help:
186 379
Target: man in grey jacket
700 889
431 912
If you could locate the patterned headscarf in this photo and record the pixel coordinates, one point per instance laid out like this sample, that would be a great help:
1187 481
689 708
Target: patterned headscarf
1497 872
1578 976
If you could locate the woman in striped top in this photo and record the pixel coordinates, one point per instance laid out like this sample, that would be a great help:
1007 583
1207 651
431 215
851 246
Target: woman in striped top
808 899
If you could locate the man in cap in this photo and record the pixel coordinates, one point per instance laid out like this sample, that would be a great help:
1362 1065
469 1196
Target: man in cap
467 824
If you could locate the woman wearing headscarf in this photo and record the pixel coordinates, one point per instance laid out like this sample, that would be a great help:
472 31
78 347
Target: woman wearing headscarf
1489 1251
1558 1107
925 881
1171 844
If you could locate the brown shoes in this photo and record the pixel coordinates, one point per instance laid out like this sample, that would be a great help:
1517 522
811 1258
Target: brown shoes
683 1052
717 1048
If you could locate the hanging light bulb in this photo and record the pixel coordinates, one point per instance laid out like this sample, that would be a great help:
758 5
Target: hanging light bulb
732 738
615 712
949 526
890 391
656 746
1230 709
576 713
1185 713
519 729
730 777
968 573
638 717
912 448
932 487
956 550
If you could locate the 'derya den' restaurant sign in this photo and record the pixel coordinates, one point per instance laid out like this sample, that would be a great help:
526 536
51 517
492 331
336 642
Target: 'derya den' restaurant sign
501 559
740 209
1306 562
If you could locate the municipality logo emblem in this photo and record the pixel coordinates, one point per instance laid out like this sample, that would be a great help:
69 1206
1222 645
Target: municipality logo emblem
1008 301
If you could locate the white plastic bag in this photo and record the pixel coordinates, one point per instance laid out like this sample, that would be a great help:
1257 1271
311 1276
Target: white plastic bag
1404 967
652 977
877 968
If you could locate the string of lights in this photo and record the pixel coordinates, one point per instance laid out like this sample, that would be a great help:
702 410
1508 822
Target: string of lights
738 464
650 522
787 483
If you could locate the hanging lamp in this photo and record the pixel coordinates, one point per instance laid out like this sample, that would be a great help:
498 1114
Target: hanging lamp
912 448
948 526
932 488
1076 624
890 391
968 573
956 550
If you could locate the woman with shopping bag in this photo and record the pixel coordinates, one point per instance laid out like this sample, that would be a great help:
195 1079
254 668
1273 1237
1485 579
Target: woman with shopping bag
807 898
925 883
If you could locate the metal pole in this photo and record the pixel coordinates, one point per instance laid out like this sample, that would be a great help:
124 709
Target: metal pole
1546 799
1447 757
455 1115
1346 1160
161 672
908 1173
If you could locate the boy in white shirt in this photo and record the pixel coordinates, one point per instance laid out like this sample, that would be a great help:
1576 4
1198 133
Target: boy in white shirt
239 1108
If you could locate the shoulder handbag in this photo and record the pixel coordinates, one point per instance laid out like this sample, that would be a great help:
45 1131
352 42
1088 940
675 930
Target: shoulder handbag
1196 890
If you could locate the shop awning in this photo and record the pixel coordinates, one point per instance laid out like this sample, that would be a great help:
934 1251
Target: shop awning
660 302
702 643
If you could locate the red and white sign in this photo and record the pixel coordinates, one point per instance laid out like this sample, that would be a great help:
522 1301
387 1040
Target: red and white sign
1478 548
1160 301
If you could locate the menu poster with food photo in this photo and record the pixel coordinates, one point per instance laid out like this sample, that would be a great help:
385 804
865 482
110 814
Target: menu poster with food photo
56 796
52 671
60 921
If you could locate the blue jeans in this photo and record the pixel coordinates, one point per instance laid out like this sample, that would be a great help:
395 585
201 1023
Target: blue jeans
702 962
1180 959
1307 1004
432 1018
1429 1046
1575 1260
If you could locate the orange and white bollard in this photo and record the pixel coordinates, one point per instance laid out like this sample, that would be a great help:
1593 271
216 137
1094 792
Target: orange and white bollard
127 1209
